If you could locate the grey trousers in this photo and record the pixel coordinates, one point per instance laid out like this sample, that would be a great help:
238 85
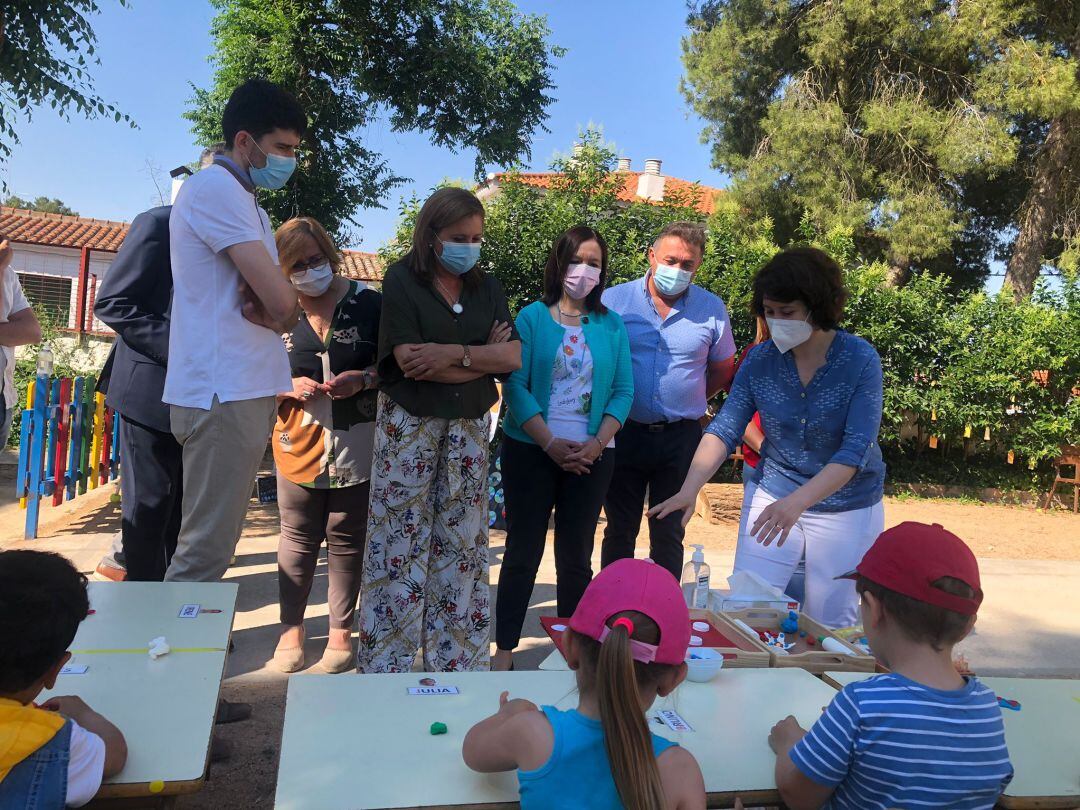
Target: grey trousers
222 450
309 516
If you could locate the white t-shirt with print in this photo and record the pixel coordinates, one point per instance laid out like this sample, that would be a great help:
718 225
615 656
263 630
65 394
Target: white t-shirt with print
12 300
213 349
571 388
86 765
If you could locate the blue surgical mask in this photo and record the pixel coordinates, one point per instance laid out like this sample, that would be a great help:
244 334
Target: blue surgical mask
459 257
671 280
275 174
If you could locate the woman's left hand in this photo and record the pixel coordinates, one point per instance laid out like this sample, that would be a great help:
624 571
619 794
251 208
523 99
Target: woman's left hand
589 452
345 385
426 359
500 332
777 520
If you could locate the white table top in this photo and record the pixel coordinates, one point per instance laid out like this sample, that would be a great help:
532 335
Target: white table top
165 708
554 662
393 760
1043 737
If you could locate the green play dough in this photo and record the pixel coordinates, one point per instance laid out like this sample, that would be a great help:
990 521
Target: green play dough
438 728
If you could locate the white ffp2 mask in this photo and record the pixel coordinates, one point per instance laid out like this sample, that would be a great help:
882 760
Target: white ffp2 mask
786 334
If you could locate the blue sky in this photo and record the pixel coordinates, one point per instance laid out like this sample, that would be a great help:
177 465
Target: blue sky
621 71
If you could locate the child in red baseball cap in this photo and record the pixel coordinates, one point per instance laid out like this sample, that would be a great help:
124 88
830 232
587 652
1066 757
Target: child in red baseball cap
922 735
627 643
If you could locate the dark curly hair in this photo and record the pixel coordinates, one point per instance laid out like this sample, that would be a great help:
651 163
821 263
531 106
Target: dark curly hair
803 274
43 600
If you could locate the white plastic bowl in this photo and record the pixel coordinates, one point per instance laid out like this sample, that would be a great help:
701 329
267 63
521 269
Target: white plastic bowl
703 664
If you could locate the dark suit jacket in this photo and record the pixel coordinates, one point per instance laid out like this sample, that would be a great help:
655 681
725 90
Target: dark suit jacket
135 300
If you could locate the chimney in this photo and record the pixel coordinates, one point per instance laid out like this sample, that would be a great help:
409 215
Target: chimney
624 164
650 184
178 175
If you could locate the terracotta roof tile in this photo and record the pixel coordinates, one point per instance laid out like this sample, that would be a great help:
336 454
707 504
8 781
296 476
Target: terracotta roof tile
703 197
60 230
362 266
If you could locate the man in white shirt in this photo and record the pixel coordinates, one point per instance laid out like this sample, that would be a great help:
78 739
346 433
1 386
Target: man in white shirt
230 305
18 327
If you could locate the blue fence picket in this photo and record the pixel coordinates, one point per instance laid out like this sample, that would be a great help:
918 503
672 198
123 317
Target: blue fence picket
114 466
36 459
75 440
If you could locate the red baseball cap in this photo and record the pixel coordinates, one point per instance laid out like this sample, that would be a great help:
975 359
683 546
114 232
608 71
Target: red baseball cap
910 557
646 587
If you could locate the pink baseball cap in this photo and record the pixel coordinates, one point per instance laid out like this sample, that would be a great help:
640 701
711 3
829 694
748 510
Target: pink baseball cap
646 587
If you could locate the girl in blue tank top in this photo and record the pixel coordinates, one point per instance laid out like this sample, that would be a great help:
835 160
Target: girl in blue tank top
627 643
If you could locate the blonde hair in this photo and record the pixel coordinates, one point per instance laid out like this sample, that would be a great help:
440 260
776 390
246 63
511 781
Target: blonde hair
445 207
618 680
290 239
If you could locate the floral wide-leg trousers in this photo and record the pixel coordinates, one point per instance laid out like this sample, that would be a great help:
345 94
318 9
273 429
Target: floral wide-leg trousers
425 579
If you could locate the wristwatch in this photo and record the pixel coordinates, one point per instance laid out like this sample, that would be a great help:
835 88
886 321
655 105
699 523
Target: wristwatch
466 360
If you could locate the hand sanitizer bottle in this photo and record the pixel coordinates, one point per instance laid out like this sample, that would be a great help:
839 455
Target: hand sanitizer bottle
695 579
45 360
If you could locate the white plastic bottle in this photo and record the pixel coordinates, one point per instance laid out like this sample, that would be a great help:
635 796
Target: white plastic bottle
695 579
45 360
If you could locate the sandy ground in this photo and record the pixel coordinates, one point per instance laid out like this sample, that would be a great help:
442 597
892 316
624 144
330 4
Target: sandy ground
1030 562
1000 532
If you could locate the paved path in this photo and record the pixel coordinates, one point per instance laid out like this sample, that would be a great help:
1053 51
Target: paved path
1028 626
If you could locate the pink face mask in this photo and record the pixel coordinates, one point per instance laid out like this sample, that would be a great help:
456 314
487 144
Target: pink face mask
581 279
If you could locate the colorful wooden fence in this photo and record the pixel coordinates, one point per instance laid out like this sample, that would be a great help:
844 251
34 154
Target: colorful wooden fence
68 444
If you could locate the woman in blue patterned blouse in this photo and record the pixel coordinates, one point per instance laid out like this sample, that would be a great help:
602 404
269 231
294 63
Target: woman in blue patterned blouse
819 484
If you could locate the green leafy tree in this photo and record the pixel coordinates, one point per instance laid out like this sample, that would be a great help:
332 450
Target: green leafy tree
916 124
523 221
49 206
1039 82
46 50
469 73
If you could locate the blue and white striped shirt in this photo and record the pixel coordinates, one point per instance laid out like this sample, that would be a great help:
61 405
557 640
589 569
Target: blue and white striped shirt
890 742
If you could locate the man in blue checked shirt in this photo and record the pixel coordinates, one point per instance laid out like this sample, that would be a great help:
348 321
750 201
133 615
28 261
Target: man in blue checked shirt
683 354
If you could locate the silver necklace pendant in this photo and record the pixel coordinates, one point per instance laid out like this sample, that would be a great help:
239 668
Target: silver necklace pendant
458 308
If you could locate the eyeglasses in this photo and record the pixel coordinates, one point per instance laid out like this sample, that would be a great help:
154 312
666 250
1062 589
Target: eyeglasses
310 262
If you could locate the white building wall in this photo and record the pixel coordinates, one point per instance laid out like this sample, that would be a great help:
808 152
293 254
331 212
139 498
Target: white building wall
47 260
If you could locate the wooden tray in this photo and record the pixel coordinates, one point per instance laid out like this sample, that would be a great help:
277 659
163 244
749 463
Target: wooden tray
805 656
738 649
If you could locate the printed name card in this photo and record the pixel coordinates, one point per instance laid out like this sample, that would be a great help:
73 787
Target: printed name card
74 669
189 611
434 690
673 720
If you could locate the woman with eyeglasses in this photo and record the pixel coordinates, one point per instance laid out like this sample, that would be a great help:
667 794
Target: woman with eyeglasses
322 441
446 335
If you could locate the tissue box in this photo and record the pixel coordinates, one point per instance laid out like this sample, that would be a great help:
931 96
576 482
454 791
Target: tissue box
722 600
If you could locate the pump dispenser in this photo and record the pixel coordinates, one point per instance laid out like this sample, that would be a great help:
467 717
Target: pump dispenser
695 579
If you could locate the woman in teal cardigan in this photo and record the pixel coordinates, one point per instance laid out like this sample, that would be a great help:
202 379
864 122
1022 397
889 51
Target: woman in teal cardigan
564 406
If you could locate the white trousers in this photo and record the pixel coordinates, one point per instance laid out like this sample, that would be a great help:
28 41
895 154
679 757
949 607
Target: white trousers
834 543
